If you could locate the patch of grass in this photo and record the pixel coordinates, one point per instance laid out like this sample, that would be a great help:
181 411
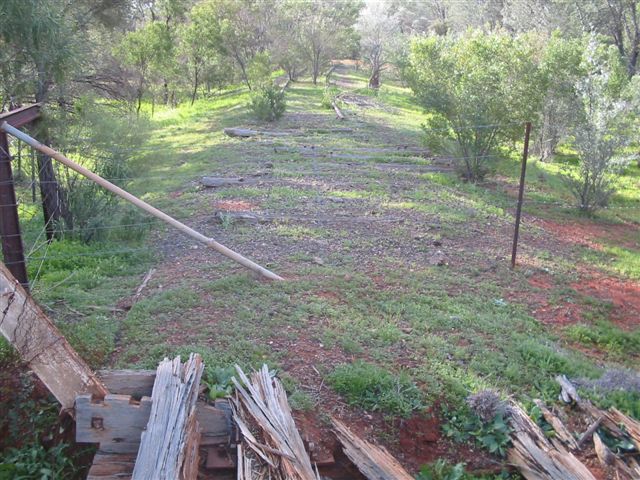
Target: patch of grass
374 388
606 336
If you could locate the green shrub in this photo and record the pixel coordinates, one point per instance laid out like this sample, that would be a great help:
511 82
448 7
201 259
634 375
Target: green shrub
329 97
493 435
268 104
36 462
374 388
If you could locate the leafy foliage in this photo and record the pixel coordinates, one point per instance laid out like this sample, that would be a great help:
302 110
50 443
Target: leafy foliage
218 381
35 462
493 435
477 92
600 135
268 104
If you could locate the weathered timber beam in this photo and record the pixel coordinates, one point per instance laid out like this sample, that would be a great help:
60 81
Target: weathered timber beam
21 116
41 345
117 422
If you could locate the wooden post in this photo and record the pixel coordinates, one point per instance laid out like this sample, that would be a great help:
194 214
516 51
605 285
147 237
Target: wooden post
41 346
209 242
9 222
523 171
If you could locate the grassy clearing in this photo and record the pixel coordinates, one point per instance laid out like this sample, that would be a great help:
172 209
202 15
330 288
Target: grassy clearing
363 304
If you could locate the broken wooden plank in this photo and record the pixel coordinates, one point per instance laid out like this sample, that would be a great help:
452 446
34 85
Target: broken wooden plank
137 383
247 132
561 431
118 422
265 400
41 345
167 445
603 453
339 113
568 393
109 466
631 426
374 462
217 182
536 457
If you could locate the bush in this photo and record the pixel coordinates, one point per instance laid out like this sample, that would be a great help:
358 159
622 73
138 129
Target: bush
477 91
374 388
601 134
35 462
329 97
268 104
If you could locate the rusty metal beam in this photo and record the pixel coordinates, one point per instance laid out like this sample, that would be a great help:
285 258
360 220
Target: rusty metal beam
9 223
21 116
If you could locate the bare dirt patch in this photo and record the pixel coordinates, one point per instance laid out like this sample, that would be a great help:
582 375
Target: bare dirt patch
624 296
592 235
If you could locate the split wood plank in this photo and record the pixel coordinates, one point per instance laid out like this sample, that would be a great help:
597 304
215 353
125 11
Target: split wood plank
374 462
166 446
536 457
41 345
109 466
561 431
118 422
336 109
265 400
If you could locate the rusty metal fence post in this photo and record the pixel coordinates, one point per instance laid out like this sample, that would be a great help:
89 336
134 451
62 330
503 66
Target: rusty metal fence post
9 222
523 171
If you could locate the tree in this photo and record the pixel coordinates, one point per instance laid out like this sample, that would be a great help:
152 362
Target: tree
43 40
601 133
326 30
619 20
376 30
477 90
561 68
148 50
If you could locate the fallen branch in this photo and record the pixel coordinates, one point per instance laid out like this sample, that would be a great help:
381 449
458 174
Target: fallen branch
374 462
339 113
584 438
142 286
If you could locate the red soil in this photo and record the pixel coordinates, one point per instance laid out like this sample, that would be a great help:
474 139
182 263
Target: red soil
592 234
624 296
234 205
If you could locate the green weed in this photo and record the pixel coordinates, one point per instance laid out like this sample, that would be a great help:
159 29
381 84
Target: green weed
374 388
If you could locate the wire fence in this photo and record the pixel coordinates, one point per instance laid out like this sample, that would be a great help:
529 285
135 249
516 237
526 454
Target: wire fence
121 228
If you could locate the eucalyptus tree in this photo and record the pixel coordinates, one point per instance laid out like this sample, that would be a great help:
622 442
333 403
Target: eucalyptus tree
327 29
618 20
377 29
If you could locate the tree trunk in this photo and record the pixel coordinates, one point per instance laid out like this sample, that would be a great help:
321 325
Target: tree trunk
374 79
54 201
165 94
195 85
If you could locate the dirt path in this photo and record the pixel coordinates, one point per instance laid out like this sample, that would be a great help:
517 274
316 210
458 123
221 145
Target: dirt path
356 207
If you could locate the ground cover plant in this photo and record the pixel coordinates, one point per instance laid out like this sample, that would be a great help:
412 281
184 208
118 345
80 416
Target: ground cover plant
398 306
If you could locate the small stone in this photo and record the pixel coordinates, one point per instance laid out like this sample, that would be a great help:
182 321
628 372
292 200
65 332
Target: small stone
318 261
438 259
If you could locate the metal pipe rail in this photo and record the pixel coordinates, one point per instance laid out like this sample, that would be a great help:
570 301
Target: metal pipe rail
209 242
